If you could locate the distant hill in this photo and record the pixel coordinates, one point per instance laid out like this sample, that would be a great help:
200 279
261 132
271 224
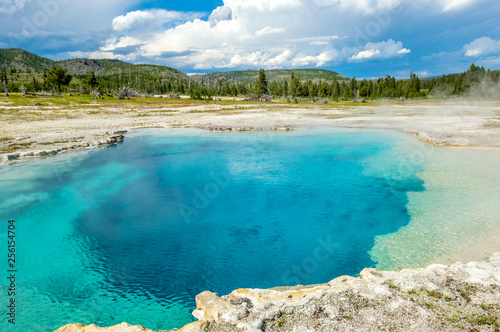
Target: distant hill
25 61
127 73
112 67
250 76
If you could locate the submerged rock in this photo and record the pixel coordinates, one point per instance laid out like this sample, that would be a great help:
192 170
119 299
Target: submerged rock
437 298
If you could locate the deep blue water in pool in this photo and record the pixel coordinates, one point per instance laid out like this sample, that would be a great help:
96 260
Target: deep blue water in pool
133 232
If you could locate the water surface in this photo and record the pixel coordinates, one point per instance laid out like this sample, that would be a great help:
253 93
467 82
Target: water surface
134 232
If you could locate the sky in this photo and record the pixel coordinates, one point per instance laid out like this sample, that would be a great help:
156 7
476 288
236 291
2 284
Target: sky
361 38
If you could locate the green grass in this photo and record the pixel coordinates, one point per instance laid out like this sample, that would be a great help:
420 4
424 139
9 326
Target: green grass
435 294
16 99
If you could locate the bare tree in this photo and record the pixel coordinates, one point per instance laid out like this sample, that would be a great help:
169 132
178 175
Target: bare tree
125 92
24 90
97 94
5 89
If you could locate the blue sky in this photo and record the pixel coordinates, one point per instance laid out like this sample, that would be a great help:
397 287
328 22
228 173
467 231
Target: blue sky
362 38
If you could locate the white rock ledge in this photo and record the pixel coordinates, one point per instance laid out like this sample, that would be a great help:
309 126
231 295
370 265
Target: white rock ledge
458 297
106 141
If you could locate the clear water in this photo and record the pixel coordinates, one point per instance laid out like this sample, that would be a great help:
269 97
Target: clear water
456 217
134 232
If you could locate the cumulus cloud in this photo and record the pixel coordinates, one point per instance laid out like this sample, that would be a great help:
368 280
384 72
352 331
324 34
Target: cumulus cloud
482 46
384 50
365 54
222 13
242 33
114 43
260 33
319 60
268 30
280 59
155 17
10 6
98 55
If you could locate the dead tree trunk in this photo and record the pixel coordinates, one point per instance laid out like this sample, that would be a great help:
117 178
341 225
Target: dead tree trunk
6 90
96 95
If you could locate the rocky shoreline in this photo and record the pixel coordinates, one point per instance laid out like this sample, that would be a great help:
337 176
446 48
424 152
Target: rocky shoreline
53 150
447 298
99 141
246 128
437 298
29 131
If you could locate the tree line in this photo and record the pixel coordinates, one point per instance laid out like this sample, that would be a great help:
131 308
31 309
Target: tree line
476 81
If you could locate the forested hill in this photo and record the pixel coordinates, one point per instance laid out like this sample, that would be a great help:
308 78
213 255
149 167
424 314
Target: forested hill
23 61
250 76
19 67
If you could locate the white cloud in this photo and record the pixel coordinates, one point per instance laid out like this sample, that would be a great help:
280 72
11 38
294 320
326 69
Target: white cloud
252 60
319 60
242 33
327 3
113 43
239 6
98 55
222 13
11 6
422 73
247 34
138 18
268 30
383 50
279 60
482 46
320 40
365 54
262 33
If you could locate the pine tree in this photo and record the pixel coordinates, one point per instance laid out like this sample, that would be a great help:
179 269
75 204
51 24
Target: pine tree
274 89
35 85
58 76
335 89
416 85
323 89
353 87
262 83
294 85
3 77
91 80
